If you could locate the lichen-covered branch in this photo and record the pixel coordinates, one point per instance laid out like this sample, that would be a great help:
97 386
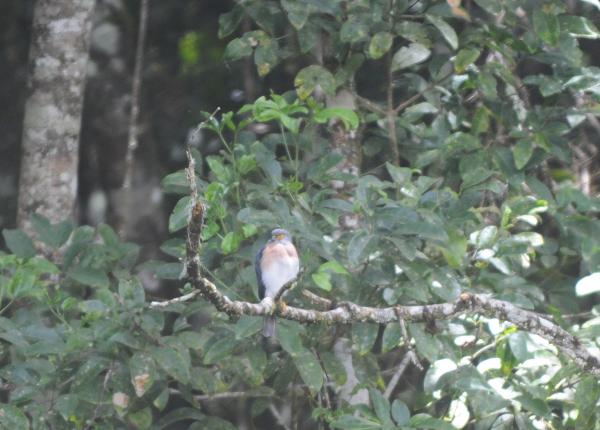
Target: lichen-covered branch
347 312
467 303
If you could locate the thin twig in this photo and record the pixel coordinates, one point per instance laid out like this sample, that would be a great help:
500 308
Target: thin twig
414 357
288 286
373 107
132 141
406 103
277 415
394 380
226 395
317 300
181 299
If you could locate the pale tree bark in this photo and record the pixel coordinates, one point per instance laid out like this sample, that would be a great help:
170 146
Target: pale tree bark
57 70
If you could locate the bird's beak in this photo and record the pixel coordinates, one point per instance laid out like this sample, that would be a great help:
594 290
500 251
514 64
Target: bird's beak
280 236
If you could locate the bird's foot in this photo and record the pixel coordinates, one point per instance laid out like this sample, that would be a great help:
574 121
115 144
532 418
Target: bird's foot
281 305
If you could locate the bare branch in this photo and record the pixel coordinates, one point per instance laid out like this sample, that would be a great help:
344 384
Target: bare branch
181 299
399 372
226 395
368 104
406 103
317 300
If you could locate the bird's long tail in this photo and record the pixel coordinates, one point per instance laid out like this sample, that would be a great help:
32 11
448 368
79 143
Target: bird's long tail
269 327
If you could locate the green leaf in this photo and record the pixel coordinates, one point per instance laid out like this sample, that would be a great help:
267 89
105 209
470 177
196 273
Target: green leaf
132 291
588 285
19 243
485 237
364 336
212 423
444 28
175 183
381 406
455 249
464 58
220 349
308 36
246 163
247 326
53 235
231 242
180 414
310 370
189 48
161 400
334 267
522 152
308 78
322 280
143 372
400 412
380 44
89 276
221 172
492 7
266 56
236 49
67 405
141 419
349 422
587 395
289 338
400 175
357 247
481 120
192 339
391 337
229 21
487 84
94 308
546 26
413 31
297 12
12 417
333 367
353 30
348 116
424 421
181 214
410 55
578 26
173 362
267 162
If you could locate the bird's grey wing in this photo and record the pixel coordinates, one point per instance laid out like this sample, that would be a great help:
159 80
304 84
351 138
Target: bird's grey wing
261 285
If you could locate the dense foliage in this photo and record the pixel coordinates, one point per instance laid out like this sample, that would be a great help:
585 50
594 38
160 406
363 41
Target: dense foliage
470 120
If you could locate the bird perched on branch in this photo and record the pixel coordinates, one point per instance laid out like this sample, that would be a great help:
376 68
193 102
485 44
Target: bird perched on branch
276 264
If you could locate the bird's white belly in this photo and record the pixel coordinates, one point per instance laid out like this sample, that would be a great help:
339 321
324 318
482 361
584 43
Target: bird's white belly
279 274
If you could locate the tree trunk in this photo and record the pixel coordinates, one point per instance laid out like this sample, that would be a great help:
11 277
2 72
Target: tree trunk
57 70
348 144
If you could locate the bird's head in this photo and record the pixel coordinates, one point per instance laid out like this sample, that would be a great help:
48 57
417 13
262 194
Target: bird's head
280 234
